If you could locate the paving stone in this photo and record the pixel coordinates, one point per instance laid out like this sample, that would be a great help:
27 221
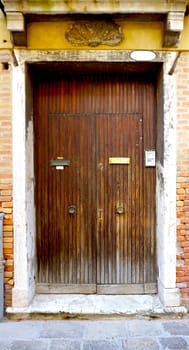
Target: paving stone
124 344
105 330
20 330
29 345
4 345
64 345
63 329
144 328
102 345
141 344
174 343
95 335
177 327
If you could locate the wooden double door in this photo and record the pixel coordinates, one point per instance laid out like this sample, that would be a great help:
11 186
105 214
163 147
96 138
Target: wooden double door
95 198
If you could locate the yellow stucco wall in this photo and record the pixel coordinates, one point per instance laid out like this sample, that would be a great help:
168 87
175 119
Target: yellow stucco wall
137 35
4 33
184 44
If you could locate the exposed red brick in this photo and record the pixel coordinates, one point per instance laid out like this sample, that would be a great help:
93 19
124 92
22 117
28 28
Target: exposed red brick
182 174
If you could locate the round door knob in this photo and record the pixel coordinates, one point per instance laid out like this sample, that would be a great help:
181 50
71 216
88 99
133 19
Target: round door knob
120 210
72 209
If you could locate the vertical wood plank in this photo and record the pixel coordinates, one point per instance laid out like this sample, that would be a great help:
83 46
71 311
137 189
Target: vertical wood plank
87 119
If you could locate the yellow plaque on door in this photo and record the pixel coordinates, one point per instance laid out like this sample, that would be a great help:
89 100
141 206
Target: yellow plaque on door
119 160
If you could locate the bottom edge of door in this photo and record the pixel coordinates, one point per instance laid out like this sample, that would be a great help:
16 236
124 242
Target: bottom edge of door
111 289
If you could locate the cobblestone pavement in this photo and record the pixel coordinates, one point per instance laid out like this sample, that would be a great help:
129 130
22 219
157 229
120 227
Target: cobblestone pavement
158 334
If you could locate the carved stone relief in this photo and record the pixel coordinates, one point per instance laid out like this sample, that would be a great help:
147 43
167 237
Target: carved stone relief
94 33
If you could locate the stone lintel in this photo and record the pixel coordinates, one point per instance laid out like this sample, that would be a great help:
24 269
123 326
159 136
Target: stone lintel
173 29
88 6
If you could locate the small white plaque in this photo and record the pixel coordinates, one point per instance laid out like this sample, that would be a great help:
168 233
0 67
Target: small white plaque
150 158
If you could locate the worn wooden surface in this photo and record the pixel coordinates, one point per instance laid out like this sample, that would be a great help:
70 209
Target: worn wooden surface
88 119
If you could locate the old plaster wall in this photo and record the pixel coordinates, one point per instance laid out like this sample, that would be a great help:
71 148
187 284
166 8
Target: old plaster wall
166 180
151 35
23 189
5 41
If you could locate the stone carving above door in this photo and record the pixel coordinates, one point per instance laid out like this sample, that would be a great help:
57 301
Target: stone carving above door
94 33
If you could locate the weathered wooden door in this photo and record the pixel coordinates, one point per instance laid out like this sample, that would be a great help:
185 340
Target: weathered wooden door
95 198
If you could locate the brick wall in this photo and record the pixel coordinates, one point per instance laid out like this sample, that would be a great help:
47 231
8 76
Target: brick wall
6 175
183 176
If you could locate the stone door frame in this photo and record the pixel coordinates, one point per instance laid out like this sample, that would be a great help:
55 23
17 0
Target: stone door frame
24 181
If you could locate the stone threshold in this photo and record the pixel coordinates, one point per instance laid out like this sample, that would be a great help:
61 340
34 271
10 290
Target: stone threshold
46 306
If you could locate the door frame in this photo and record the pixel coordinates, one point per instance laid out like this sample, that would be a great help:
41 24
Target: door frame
23 175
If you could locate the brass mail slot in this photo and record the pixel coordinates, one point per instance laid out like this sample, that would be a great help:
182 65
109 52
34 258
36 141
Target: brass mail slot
60 162
122 160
